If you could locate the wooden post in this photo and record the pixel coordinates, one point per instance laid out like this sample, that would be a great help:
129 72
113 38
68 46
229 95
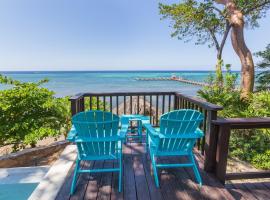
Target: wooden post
76 103
175 102
73 103
81 104
222 152
210 142
224 131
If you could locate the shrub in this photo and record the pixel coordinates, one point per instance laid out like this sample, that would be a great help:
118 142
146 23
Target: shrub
262 160
29 112
224 94
263 78
248 145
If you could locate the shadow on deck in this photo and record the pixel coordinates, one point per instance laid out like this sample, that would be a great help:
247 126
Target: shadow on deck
138 182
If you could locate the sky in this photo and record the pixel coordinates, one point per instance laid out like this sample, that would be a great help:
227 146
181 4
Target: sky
41 35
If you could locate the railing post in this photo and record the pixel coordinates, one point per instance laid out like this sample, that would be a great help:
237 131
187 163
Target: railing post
222 151
224 131
175 101
81 104
77 104
73 103
210 142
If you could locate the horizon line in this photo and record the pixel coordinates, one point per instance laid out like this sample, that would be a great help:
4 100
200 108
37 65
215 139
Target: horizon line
37 71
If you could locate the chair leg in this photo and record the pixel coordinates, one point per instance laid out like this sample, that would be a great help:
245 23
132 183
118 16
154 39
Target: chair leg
154 169
146 138
73 185
140 130
195 169
120 173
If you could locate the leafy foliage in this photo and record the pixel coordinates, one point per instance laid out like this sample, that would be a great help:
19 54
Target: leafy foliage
29 112
263 78
225 94
191 19
206 20
209 22
95 104
253 10
248 145
253 145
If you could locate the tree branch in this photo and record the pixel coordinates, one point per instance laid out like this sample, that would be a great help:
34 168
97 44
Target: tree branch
256 7
224 2
218 10
227 30
214 39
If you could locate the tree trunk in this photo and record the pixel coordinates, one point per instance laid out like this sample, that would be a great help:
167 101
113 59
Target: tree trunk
247 70
236 20
219 75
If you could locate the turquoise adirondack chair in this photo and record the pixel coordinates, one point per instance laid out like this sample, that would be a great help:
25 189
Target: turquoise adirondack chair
97 136
176 137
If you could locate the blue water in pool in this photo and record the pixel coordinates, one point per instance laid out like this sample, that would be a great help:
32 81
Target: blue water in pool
17 191
70 83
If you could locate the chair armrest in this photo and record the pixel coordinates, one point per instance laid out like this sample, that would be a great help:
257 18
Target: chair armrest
72 134
152 132
182 136
123 131
145 120
199 132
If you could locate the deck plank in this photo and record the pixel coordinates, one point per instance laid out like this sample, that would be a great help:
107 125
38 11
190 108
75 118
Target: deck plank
138 181
212 184
94 182
82 182
169 185
104 192
239 192
267 184
154 192
258 190
129 180
188 183
115 195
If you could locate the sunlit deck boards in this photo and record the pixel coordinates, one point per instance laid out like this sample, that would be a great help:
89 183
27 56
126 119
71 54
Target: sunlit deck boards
138 182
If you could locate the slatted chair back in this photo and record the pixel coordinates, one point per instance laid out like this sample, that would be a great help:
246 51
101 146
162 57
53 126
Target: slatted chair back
96 133
176 127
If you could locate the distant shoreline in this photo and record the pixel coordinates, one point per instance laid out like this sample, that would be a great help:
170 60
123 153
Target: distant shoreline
113 71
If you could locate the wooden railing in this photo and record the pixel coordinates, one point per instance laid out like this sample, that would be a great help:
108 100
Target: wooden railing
154 104
214 146
224 127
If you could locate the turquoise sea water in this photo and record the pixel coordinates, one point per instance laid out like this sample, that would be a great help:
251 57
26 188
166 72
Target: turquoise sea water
70 83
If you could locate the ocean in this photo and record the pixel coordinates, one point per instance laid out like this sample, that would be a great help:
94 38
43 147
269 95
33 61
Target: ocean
68 83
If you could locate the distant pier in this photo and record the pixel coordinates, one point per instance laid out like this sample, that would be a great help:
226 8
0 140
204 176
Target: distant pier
174 78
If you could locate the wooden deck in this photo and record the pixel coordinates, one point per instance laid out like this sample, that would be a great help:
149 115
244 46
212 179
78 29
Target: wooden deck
138 182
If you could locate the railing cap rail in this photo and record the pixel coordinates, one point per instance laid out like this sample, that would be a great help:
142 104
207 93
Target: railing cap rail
242 121
127 93
76 96
198 101
204 104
